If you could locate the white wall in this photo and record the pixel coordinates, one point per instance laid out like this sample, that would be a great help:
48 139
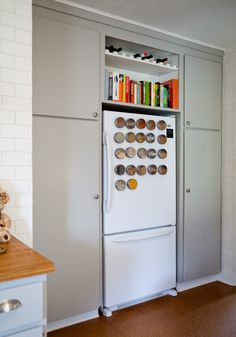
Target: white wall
229 168
16 112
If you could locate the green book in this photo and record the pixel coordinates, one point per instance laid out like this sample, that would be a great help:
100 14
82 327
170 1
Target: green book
147 93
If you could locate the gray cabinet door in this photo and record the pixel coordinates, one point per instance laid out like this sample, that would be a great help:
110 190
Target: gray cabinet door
202 208
66 211
66 62
202 93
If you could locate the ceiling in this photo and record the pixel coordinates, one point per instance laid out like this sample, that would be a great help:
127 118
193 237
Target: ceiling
212 22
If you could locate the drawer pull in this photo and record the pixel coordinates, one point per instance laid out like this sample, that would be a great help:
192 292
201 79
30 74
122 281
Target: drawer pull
9 305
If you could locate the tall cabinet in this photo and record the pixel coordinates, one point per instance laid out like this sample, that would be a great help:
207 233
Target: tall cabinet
66 162
202 167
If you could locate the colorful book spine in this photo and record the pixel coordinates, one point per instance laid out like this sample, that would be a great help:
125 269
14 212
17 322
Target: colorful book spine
121 79
110 95
115 86
147 93
132 91
127 89
124 88
135 93
157 89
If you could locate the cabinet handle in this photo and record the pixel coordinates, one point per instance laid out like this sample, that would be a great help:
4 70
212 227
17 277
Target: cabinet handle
188 190
9 305
188 123
96 196
95 114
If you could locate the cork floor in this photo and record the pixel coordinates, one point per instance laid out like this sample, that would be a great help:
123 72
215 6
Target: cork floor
206 311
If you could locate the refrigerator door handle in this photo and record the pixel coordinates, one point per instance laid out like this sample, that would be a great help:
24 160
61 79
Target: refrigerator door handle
144 237
108 200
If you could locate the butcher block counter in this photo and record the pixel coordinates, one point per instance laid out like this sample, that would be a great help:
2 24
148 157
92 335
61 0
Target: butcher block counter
23 278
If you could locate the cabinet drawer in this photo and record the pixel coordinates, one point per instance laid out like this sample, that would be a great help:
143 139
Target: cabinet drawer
38 332
31 309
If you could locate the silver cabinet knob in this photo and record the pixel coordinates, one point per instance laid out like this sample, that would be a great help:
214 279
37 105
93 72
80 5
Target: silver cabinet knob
188 190
95 196
95 114
9 305
188 123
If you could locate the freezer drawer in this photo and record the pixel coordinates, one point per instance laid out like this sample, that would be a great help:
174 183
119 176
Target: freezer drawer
138 264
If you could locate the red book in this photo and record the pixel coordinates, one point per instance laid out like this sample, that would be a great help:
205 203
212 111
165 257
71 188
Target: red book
121 79
174 92
131 91
127 91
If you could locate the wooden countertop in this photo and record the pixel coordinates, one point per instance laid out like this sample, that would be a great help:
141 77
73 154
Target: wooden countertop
21 261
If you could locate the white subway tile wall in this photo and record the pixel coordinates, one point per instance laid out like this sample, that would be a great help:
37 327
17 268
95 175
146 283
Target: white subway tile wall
229 168
16 113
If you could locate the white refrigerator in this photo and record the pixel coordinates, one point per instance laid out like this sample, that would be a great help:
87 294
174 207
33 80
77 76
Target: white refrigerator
139 206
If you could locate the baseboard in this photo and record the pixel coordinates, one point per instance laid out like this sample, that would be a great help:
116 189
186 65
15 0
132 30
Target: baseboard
72 320
196 283
228 277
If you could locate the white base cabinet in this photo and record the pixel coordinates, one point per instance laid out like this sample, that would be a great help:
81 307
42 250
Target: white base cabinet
28 317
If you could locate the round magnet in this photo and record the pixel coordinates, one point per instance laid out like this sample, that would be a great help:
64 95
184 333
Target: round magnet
141 170
120 185
151 124
150 137
131 170
151 153
142 153
132 184
130 123
119 137
120 122
162 139
130 137
120 170
161 125
152 169
162 153
140 123
130 152
162 169
120 153
140 137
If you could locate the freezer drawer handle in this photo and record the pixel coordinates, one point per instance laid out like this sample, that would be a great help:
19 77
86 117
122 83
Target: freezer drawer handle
109 177
9 305
143 237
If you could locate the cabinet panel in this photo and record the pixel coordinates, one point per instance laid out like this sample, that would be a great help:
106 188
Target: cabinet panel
202 209
30 310
66 214
65 69
202 93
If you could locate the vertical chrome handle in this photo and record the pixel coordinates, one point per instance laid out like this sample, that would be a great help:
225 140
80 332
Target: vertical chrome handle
108 200
9 305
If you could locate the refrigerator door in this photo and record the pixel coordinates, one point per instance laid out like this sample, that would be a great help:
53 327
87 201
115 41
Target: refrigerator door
139 264
139 172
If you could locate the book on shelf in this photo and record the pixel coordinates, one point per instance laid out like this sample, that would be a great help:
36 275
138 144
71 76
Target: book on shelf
120 87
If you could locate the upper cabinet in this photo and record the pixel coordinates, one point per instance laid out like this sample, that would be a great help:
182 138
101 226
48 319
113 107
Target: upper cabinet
202 93
66 60
140 76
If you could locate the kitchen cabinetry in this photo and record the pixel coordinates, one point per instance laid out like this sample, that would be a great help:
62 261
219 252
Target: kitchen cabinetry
69 62
23 291
202 186
202 93
67 74
66 172
202 211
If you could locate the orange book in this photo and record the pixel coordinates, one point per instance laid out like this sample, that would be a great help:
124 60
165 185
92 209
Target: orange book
121 79
174 92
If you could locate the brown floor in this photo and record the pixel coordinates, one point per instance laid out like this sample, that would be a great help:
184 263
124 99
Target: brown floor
206 311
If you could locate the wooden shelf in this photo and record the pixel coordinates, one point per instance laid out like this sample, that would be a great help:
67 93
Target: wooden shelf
134 107
138 66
